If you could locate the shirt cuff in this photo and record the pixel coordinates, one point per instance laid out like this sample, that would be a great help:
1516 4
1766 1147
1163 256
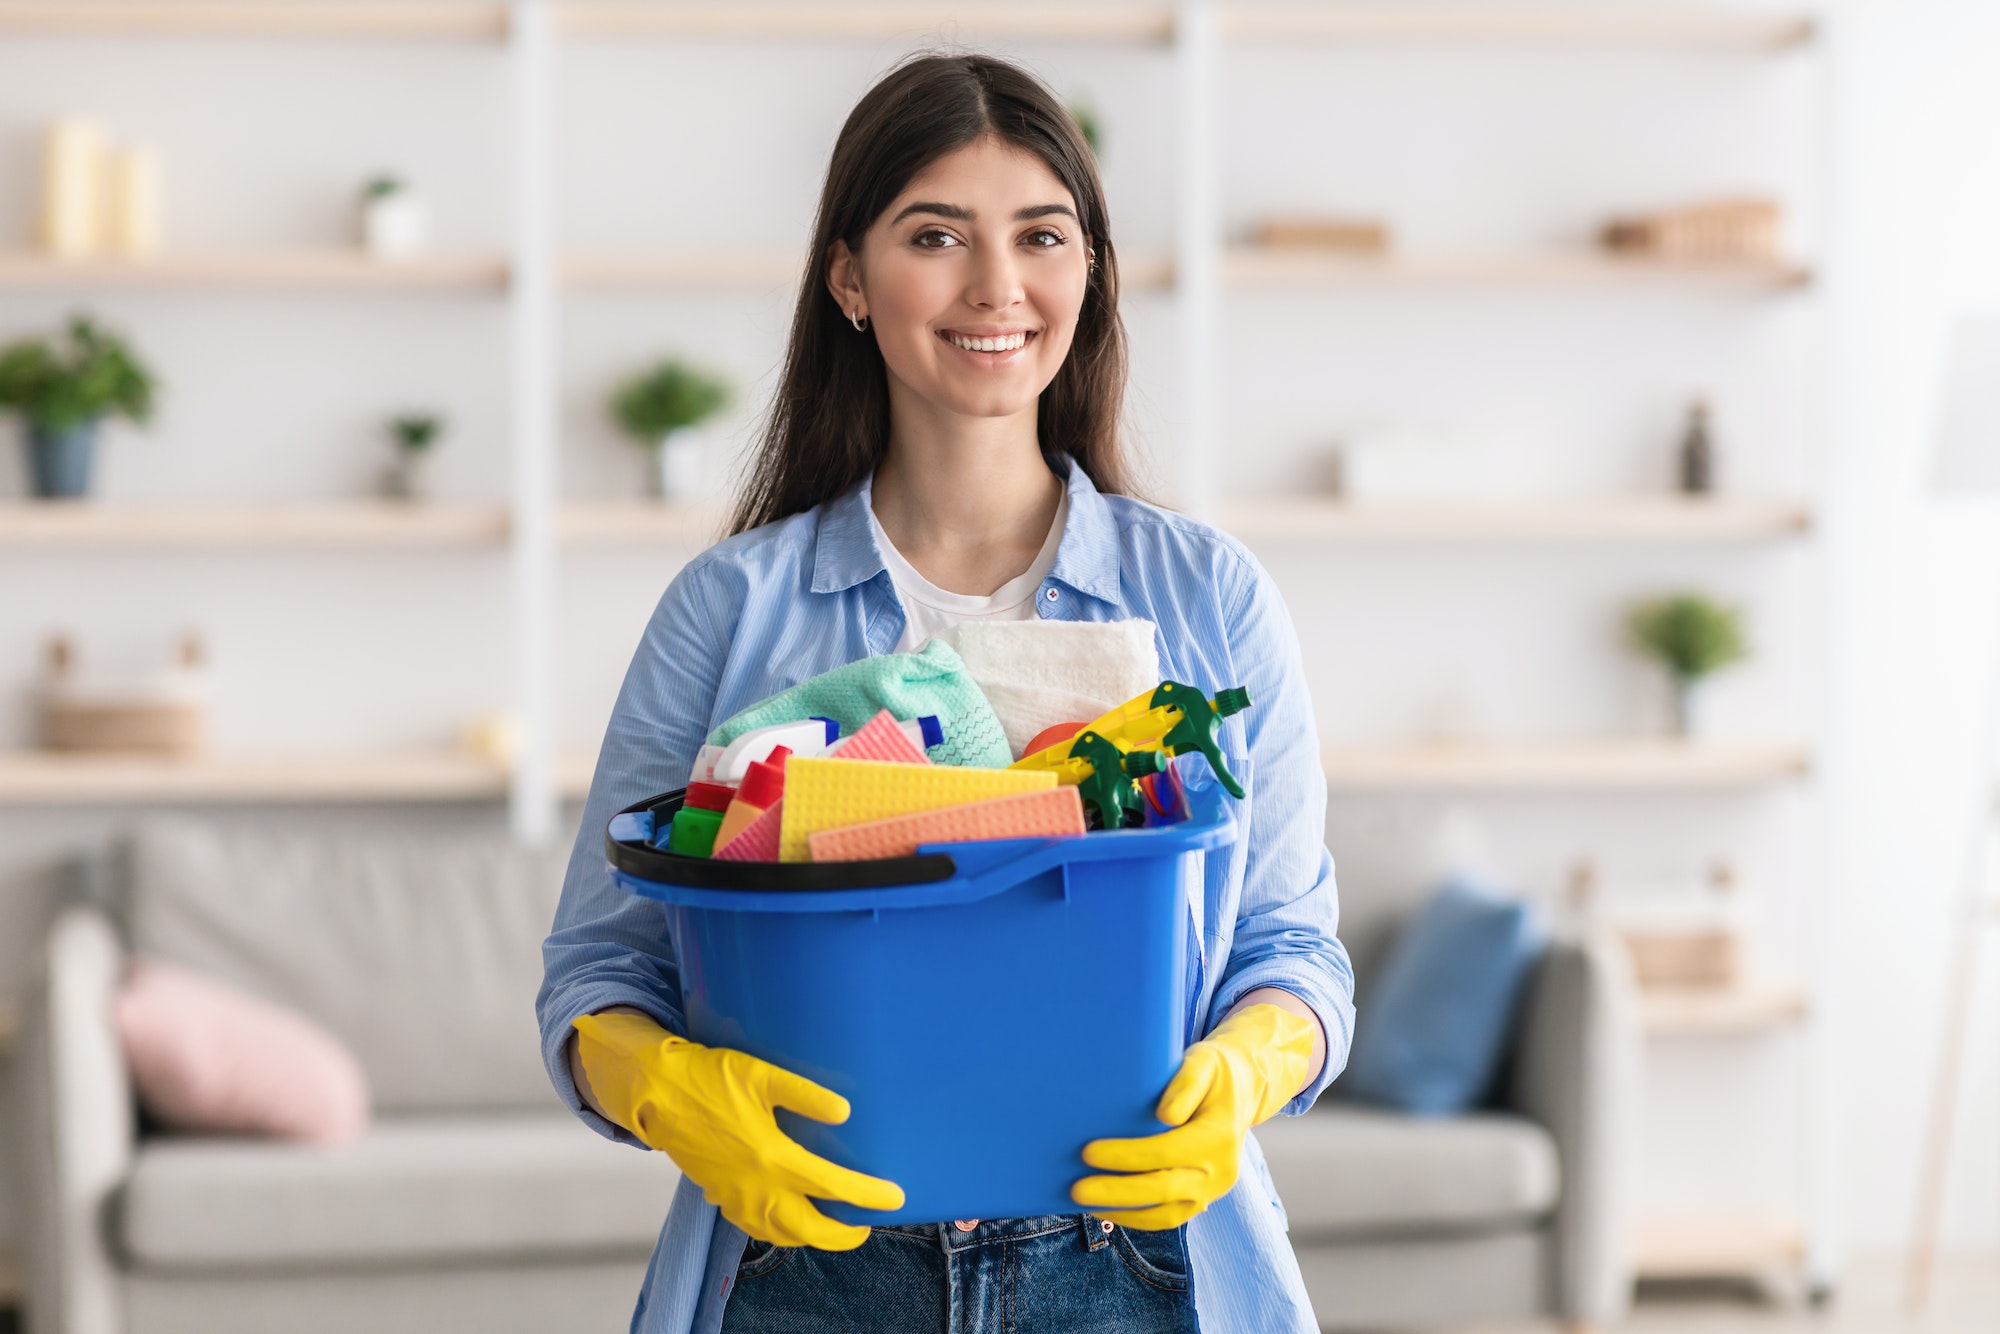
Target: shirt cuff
559 1026
1335 1012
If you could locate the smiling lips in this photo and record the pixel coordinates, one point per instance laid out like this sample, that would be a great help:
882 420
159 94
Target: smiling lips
1000 342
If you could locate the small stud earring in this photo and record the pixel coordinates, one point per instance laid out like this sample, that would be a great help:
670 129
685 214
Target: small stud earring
1090 257
860 322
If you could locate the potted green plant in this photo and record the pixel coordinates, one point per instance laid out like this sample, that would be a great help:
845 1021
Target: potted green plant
660 409
1692 637
63 390
412 436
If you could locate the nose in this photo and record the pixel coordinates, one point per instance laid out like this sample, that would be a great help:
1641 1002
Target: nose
995 282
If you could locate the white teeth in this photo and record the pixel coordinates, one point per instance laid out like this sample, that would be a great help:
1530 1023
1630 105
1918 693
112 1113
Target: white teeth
1003 343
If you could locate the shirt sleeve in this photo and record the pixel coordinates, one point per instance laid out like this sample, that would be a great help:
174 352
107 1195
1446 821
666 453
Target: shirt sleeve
608 946
1289 910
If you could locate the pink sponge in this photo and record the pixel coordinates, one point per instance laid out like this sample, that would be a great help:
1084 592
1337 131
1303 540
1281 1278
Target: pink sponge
880 738
1050 812
758 842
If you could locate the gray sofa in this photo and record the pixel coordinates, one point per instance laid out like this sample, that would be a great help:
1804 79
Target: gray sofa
476 1202
1515 1212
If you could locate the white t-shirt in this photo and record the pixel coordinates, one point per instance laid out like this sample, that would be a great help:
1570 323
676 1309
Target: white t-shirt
929 610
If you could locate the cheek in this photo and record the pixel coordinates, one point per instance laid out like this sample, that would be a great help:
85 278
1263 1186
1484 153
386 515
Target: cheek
1060 301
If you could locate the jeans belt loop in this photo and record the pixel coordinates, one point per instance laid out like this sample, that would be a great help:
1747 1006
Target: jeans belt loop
1096 1236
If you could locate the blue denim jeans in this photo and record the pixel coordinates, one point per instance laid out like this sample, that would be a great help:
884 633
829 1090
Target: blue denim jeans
1048 1275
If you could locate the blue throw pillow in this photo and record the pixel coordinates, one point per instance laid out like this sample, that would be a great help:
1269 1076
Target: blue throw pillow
1436 1025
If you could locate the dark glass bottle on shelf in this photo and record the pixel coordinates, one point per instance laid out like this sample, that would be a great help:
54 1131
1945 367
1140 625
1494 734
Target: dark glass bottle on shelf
1697 453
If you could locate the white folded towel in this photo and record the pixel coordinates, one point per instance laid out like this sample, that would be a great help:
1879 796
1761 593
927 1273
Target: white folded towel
1039 673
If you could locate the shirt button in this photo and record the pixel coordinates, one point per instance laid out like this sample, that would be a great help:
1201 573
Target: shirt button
965 1224
1050 594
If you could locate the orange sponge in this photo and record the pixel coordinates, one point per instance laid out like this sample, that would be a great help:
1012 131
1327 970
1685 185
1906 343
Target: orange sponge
1049 813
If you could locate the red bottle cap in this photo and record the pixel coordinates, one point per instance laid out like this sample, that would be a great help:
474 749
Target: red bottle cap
708 797
776 759
763 784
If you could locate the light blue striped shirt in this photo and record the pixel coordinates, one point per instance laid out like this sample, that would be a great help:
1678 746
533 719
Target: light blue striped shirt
767 609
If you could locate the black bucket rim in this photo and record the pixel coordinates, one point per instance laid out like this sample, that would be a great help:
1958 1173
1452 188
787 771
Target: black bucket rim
675 868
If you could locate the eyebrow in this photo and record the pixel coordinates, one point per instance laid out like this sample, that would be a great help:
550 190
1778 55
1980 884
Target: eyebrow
958 214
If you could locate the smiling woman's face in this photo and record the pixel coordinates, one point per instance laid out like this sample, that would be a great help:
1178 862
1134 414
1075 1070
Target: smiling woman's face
972 281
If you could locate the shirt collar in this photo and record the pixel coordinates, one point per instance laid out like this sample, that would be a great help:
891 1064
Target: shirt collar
845 553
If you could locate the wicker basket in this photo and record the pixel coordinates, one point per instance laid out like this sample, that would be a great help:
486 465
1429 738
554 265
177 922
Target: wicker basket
1735 229
166 722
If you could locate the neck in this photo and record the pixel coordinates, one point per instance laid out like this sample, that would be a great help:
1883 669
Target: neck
967 500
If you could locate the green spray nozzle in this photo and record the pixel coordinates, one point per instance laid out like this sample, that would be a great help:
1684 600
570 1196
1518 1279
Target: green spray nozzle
1196 729
1109 787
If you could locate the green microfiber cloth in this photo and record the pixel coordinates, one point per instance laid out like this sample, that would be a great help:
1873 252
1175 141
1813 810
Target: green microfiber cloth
908 685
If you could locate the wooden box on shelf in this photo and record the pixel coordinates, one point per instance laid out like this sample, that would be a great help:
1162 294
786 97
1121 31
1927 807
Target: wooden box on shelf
1352 236
1677 960
1730 230
158 718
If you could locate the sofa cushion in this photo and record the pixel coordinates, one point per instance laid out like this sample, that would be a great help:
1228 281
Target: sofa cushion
422 955
1357 1171
412 1189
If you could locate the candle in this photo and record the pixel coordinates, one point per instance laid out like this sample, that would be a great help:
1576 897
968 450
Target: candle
71 187
134 215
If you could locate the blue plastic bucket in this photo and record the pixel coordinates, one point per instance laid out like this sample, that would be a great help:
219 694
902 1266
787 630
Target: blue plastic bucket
986 1008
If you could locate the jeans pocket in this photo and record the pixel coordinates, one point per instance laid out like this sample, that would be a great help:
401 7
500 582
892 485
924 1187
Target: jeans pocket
1160 1258
760 1257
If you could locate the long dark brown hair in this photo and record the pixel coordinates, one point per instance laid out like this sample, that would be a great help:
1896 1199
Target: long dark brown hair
829 423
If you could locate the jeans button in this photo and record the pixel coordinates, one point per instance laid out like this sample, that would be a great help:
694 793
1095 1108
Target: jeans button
1104 1226
965 1224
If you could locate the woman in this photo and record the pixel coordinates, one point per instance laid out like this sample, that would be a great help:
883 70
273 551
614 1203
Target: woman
944 446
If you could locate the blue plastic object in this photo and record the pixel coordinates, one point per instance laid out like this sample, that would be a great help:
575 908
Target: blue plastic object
987 1008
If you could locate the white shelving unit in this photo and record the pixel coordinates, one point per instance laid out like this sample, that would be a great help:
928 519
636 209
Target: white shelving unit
1197 277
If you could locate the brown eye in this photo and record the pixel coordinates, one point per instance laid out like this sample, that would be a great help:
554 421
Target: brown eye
1045 238
933 239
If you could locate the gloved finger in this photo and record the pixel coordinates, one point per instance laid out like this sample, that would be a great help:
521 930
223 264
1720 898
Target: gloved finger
1149 1153
1189 1086
813 1175
807 1226
1140 1190
1157 1219
796 1093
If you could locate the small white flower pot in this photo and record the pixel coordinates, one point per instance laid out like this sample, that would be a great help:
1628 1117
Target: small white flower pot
396 226
677 475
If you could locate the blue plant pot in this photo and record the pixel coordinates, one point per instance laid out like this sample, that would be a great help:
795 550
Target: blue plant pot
59 461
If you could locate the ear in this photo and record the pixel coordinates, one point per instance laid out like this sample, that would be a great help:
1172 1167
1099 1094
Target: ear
843 279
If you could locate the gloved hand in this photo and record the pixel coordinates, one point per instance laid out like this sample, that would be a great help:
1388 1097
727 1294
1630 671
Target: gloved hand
710 1110
1242 1073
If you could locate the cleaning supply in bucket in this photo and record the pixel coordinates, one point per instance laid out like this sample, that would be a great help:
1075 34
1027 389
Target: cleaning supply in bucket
759 840
907 685
1052 813
728 763
1172 717
762 785
828 793
883 738
1036 673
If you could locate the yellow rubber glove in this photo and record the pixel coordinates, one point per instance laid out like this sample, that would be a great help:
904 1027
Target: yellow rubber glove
710 1110
1239 1075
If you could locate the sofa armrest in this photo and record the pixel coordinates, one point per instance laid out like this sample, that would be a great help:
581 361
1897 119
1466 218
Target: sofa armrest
1575 1070
78 1115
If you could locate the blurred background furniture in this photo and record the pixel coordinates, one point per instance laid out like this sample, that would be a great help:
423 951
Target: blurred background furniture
1516 1211
474 1201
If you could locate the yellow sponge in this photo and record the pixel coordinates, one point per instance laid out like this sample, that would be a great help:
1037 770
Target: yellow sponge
834 793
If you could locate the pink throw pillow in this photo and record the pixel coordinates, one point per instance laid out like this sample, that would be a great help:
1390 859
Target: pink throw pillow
207 1057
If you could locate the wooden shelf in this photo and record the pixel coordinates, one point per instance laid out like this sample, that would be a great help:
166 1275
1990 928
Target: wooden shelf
1571 24
1281 266
336 270
1090 22
1638 765
730 272
1721 1247
1638 520
97 526
1720 1011
255 18
598 523
40 778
